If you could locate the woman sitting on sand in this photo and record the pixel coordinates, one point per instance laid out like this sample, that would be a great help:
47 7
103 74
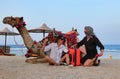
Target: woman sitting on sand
91 42
56 50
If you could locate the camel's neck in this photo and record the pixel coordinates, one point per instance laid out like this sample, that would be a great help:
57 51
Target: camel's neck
29 43
20 25
26 37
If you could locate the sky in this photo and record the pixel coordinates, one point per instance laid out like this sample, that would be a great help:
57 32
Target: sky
63 15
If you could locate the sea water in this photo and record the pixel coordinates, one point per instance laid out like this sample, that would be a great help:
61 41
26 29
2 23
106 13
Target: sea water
19 50
110 50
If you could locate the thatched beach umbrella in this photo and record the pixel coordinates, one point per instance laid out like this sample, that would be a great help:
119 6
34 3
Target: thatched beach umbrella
6 32
42 29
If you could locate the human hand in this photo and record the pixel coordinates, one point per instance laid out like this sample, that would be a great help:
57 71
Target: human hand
101 52
74 46
65 42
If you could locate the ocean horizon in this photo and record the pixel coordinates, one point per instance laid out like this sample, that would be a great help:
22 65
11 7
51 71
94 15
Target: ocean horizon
110 50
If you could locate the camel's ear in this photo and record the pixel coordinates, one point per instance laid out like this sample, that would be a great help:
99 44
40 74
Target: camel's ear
21 18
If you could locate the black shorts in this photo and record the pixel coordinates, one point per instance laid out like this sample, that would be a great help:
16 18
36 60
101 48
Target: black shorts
86 57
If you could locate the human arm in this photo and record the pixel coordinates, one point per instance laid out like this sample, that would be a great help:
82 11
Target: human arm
48 47
100 45
66 44
101 52
45 42
81 42
65 47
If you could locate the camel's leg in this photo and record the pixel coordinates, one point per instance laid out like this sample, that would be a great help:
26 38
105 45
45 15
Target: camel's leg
42 60
36 60
32 61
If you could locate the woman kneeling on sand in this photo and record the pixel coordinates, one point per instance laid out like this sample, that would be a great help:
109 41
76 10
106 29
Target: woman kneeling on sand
91 42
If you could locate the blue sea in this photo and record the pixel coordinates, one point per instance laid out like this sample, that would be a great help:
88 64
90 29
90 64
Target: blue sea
113 50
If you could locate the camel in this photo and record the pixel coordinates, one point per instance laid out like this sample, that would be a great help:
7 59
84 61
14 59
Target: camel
32 46
35 48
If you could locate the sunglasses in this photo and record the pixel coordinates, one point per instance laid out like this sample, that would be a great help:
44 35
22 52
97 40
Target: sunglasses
62 38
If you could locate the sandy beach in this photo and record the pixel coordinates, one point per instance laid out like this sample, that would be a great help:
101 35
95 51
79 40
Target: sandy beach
14 67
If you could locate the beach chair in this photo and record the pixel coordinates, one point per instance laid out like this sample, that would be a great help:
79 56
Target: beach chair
2 53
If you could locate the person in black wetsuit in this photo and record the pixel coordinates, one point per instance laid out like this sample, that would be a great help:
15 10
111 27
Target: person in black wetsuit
91 42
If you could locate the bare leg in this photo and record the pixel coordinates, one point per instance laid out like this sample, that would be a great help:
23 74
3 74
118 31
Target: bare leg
51 61
90 62
66 58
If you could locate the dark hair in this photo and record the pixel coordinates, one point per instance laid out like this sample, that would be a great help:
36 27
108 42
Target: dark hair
60 37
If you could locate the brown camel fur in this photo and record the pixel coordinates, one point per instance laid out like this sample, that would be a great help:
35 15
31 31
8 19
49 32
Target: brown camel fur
31 45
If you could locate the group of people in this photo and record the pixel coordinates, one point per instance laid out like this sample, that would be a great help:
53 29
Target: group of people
90 41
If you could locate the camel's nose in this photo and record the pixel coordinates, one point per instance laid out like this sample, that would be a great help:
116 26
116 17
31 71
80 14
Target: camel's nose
4 20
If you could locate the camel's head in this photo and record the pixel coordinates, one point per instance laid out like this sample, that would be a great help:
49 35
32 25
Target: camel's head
14 21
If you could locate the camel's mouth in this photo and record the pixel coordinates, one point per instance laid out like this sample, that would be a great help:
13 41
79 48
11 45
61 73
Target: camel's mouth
14 21
4 21
8 20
